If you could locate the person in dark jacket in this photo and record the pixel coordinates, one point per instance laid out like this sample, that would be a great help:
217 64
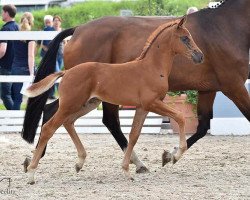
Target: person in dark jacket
7 53
24 59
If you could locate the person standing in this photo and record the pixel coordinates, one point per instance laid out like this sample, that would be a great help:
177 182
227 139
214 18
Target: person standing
191 10
7 53
48 23
57 22
48 26
24 59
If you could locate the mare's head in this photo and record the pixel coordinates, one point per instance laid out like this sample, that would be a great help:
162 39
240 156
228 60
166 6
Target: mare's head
184 44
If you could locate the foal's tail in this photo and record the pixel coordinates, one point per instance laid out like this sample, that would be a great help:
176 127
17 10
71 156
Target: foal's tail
35 105
44 85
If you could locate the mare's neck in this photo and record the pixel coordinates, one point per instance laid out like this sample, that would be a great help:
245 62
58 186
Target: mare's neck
160 56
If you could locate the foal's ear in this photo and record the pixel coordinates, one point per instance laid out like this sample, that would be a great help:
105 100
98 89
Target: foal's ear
182 21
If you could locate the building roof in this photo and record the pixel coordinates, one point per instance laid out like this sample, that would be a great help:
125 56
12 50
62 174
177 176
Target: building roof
29 2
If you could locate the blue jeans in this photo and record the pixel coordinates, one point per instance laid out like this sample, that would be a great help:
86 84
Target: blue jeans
6 90
58 68
59 62
17 97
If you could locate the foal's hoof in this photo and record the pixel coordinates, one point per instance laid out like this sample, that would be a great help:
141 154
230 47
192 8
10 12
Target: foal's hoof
77 168
174 160
173 153
142 170
166 158
25 164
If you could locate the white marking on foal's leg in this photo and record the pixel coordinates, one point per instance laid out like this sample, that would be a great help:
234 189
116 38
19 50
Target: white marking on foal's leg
179 153
31 176
80 163
125 167
140 167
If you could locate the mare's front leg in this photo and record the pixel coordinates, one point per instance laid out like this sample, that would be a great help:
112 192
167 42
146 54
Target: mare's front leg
111 121
47 132
240 96
138 121
165 110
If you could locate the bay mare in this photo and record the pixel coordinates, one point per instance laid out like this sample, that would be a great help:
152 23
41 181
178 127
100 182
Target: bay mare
142 83
223 34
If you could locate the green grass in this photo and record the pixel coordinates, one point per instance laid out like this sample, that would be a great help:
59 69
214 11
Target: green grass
23 106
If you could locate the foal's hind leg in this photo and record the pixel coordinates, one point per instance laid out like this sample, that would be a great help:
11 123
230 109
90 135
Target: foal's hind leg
138 121
47 132
69 126
48 111
162 109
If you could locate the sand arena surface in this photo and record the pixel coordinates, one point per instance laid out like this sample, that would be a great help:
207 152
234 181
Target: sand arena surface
216 167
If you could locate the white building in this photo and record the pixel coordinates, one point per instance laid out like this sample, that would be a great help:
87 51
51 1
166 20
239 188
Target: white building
28 5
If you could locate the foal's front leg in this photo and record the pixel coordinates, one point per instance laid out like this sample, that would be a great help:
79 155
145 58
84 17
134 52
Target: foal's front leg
111 121
162 109
138 121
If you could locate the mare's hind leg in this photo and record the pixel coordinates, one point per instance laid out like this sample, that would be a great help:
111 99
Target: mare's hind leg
162 109
205 113
111 121
69 126
47 132
138 121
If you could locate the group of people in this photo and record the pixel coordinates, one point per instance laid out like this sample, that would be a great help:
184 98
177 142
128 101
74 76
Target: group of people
18 57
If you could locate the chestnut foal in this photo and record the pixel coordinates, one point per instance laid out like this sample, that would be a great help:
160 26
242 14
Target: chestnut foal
142 83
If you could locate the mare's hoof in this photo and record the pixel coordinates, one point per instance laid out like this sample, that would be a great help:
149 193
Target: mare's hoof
77 168
25 164
31 182
142 170
166 158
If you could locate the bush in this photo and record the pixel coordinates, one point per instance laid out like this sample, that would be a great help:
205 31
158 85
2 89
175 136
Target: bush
192 96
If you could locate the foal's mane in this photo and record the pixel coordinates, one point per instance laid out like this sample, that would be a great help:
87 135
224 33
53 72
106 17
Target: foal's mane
153 37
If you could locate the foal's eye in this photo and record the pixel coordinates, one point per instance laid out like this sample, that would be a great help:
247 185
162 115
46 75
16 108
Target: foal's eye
185 39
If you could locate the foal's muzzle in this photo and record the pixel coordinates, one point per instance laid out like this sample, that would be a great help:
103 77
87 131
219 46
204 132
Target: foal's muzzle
197 57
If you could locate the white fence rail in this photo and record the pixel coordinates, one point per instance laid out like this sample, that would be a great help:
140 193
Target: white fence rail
28 35
12 120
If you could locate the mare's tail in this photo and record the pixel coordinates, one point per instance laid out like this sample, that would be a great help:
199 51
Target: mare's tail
35 105
44 85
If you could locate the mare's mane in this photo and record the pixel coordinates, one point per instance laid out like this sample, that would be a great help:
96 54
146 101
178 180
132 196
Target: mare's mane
153 37
219 4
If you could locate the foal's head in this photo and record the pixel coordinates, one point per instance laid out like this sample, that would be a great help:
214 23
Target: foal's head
184 43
